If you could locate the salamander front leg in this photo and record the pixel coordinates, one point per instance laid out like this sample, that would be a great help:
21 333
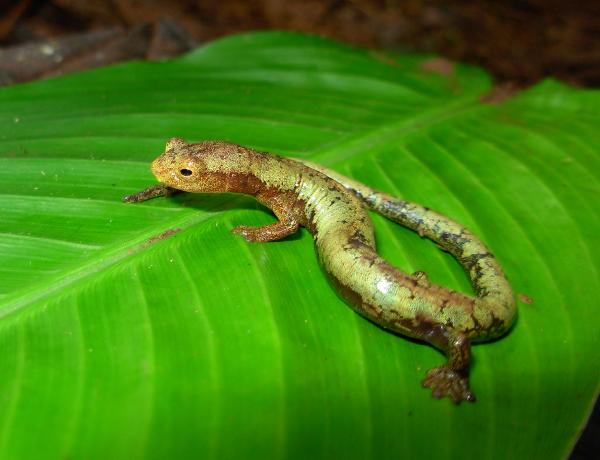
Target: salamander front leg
452 379
149 193
271 232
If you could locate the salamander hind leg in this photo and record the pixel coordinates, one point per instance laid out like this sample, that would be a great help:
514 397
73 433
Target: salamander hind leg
452 379
271 232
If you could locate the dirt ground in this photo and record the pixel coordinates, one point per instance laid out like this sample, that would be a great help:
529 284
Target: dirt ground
518 41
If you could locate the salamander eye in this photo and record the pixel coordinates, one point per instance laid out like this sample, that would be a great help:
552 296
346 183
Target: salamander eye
185 172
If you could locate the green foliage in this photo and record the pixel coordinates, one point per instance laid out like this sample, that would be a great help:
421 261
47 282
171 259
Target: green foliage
119 340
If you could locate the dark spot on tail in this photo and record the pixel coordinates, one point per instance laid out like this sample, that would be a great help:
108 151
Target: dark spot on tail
357 239
472 260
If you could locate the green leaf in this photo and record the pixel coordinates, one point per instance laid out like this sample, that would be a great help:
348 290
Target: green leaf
150 331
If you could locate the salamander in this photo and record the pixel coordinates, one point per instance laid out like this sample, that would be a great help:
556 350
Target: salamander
334 209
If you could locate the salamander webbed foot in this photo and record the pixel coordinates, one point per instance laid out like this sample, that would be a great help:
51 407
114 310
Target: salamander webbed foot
445 381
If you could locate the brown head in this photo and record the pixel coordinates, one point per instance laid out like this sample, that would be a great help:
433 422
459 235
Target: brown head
206 166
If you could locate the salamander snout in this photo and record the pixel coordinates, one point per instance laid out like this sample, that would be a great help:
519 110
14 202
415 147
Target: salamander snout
176 171
181 167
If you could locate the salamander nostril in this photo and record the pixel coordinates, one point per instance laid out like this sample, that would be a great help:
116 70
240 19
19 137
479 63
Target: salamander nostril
185 172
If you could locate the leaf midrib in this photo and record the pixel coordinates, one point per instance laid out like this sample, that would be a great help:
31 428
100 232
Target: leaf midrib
359 143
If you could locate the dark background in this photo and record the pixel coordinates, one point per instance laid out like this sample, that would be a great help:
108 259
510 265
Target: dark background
517 41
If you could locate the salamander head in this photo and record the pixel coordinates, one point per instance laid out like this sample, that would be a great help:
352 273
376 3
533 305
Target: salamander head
199 167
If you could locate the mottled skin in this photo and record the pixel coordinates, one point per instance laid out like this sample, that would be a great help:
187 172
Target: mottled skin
332 208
